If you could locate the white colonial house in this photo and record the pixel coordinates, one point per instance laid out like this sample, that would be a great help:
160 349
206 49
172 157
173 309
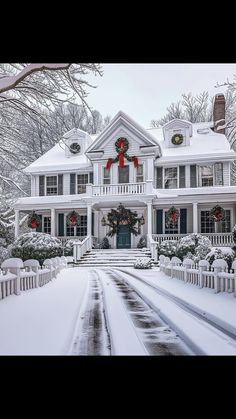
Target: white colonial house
181 164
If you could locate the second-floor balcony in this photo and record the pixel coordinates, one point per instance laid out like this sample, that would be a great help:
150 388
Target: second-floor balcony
119 189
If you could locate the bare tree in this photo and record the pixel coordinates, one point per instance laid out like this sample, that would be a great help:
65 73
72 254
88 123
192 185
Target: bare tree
198 108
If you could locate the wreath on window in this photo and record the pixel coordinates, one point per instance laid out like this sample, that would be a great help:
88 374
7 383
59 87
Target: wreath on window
177 139
217 214
172 215
73 219
33 220
121 146
75 148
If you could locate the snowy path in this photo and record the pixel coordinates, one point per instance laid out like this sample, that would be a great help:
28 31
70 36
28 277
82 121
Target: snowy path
196 331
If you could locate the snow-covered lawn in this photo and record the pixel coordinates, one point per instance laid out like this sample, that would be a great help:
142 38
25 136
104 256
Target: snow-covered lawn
42 321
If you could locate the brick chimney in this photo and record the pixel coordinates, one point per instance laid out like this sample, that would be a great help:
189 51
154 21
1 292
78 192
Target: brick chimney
219 112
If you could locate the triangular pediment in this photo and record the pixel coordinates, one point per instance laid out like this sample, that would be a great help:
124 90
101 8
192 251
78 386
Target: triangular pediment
140 140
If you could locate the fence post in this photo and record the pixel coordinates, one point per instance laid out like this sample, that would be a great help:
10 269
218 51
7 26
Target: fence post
185 273
216 280
17 282
201 276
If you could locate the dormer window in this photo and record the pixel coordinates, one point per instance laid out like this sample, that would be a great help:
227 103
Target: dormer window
75 148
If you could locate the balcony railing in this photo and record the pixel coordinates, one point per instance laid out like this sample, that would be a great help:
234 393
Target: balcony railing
119 189
217 239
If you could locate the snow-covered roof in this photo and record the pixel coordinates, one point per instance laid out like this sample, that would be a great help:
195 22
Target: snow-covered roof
204 142
56 160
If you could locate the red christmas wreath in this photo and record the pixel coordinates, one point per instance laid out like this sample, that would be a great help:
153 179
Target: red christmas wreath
121 146
172 215
33 220
73 219
217 214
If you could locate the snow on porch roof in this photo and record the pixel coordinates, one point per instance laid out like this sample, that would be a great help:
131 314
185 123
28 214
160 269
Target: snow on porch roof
56 160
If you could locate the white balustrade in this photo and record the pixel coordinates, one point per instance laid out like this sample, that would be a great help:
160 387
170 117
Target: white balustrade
217 239
119 189
81 247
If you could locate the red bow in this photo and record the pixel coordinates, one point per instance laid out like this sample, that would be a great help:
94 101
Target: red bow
33 224
109 163
218 215
135 160
174 217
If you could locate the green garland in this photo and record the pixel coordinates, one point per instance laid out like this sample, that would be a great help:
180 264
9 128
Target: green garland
122 216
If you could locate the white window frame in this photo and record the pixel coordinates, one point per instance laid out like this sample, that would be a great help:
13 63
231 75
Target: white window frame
199 180
74 227
209 209
43 217
102 176
170 167
77 184
136 173
45 184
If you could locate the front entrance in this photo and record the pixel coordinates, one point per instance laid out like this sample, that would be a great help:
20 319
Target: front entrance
123 237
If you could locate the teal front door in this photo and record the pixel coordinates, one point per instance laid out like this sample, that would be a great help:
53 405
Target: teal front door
123 238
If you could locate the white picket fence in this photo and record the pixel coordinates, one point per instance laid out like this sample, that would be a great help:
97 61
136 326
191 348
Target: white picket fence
17 276
216 276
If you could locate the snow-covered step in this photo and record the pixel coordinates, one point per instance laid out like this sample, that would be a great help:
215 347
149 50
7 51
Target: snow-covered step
112 257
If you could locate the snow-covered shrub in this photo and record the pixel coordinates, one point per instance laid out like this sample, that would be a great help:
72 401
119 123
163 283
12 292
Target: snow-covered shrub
39 246
227 254
143 263
196 244
68 248
234 233
142 242
167 248
105 243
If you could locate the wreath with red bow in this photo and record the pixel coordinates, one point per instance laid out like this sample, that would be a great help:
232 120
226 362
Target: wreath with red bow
73 219
172 215
33 220
122 146
217 214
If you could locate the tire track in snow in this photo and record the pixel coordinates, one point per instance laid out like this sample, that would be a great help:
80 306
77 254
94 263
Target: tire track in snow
92 337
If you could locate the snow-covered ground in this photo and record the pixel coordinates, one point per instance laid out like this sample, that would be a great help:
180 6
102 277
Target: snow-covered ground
106 311
42 321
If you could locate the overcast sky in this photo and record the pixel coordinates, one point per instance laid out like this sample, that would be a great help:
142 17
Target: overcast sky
144 91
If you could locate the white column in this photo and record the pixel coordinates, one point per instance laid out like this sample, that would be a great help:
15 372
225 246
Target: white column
149 218
16 223
195 218
89 219
96 230
53 222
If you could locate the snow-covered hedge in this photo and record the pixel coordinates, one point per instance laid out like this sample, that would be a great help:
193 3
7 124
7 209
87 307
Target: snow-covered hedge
225 253
4 254
195 244
167 248
39 246
143 263
68 249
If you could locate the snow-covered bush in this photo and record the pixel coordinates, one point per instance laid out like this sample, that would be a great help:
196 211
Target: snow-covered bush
39 246
196 244
143 263
234 233
142 242
105 243
167 248
227 254
68 249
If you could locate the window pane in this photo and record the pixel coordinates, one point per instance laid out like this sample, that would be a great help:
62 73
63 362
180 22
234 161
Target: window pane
51 182
171 178
226 225
106 176
207 225
81 230
206 175
47 225
82 180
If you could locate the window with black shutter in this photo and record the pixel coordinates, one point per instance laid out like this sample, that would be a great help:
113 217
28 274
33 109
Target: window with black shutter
72 183
60 184
159 221
181 176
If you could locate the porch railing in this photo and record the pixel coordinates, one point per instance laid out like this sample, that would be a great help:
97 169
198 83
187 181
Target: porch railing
81 247
119 189
217 239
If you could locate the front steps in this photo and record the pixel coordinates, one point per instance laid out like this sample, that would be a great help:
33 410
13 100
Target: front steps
112 257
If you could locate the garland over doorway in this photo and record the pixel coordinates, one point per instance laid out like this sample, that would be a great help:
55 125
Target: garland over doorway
122 216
